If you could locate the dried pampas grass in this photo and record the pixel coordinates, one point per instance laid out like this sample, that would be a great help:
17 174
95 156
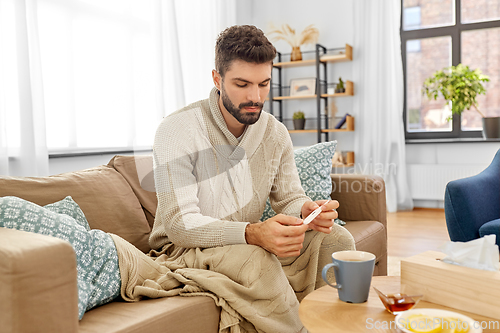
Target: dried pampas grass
287 34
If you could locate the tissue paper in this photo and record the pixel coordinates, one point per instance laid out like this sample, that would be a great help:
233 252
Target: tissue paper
481 253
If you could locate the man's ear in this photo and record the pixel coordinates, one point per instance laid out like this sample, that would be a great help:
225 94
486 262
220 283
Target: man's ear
217 79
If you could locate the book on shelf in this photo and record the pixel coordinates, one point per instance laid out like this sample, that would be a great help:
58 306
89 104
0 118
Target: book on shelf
342 121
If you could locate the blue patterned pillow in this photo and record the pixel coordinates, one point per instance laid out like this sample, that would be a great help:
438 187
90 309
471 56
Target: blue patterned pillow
98 276
69 207
314 165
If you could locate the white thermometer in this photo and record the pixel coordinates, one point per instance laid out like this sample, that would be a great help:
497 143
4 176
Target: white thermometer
315 213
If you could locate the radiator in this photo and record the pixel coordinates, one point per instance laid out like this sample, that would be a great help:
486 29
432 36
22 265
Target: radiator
428 181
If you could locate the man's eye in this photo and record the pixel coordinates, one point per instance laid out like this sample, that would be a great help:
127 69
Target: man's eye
241 85
264 84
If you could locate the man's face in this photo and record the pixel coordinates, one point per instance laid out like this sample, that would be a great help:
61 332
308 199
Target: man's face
244 89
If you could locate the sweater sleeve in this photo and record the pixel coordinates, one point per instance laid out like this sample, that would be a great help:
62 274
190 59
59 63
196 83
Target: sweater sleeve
287 195
178 218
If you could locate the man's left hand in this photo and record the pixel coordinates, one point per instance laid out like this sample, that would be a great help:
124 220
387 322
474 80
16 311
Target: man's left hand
324 221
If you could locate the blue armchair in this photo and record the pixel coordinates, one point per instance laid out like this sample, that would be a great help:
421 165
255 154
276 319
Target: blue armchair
472 205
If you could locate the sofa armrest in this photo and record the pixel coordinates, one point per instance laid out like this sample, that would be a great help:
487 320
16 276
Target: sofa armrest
38 283
361 197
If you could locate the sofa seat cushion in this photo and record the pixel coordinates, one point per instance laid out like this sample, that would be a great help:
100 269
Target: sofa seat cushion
369 236
171 314
105 197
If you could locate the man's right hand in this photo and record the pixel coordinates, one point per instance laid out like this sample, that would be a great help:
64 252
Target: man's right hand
282 235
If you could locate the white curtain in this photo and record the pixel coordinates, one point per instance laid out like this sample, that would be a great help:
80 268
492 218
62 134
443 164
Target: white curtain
186 35
22 117
99 74
378 73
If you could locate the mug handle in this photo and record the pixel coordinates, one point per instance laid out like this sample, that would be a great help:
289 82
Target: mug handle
325 270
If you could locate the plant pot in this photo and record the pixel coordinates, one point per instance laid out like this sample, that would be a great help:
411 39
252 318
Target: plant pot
491 127
299 124
296 54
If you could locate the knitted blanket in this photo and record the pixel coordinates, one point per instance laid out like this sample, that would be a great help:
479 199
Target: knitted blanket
249 284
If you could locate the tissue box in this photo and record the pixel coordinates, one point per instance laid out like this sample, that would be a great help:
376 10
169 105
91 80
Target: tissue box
468 289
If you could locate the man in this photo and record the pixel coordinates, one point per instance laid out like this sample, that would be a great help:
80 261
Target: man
216 162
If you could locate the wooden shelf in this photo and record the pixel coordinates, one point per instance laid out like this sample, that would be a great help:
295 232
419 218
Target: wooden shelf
347 56
329 130
349 91
280 98
303 131
349 127
299 63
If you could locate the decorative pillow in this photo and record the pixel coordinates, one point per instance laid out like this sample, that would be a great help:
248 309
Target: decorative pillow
96 258
314 165
69 207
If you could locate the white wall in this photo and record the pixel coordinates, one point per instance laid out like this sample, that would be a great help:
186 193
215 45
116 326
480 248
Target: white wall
460 159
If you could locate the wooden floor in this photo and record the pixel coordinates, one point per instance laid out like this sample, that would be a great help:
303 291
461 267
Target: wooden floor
413 232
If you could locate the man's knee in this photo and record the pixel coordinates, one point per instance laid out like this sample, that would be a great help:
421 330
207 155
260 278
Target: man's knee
243 262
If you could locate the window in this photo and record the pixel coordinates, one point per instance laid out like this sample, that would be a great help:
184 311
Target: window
103 72
98 60
436 34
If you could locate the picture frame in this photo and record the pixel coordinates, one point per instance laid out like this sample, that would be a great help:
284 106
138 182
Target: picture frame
303 87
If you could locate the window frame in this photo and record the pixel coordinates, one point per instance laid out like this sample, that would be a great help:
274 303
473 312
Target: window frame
455 32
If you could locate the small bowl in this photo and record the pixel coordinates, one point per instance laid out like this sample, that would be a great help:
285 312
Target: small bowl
396 300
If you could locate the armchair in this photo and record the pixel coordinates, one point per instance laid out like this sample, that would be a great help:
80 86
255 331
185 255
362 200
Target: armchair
472 205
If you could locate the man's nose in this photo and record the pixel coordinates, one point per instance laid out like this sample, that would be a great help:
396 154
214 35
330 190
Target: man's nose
254 94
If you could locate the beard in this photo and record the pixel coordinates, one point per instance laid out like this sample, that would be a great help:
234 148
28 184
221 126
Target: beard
245 118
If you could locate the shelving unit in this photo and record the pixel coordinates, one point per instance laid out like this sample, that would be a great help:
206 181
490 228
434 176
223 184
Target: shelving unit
323 57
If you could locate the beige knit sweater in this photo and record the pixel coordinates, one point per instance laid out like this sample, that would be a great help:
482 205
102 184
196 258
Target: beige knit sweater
210 186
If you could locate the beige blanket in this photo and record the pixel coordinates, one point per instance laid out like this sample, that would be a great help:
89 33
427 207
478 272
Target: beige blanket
250 285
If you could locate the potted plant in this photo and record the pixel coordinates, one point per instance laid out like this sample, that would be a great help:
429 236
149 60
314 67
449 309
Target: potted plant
461 86
308 36
299 120
340 87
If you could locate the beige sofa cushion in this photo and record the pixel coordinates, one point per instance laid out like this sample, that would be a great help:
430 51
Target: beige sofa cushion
105 197
167 315
138 171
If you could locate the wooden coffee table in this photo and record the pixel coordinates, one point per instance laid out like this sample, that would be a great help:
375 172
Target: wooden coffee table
322 311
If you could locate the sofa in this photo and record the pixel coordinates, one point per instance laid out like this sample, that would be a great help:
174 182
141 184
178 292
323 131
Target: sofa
38 273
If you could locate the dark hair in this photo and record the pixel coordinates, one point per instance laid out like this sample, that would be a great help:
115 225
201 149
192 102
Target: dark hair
242 42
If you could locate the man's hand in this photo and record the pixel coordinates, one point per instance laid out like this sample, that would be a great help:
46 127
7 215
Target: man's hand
282 235
324 221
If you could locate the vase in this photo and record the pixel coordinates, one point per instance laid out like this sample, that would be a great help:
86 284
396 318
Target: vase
491 127
296 54
299 124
